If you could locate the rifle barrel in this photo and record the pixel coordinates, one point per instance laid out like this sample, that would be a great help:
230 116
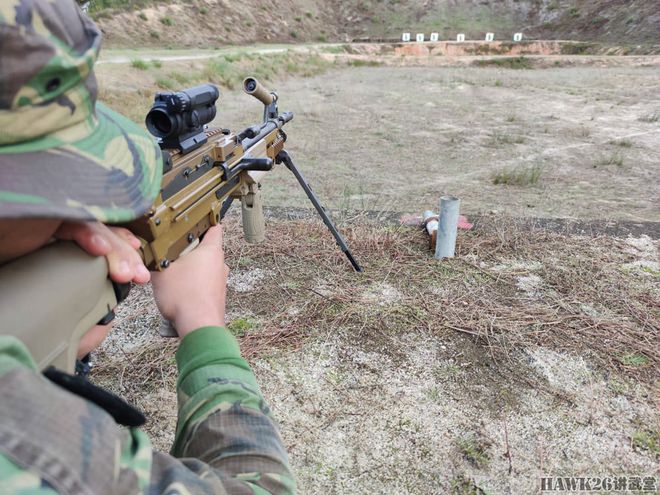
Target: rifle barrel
267 128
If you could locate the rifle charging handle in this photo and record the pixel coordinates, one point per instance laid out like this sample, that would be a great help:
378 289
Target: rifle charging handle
256 89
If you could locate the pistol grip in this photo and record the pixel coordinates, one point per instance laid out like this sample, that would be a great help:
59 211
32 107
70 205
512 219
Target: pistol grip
254 227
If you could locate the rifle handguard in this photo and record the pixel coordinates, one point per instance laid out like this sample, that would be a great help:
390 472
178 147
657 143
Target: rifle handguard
49 299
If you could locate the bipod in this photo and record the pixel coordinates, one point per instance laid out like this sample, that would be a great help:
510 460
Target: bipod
284 157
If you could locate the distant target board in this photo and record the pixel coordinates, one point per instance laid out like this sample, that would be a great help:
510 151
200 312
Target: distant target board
460 38
517 37
420 37
405 37
490 36
435 37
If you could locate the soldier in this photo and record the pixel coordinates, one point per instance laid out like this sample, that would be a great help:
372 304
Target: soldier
68 165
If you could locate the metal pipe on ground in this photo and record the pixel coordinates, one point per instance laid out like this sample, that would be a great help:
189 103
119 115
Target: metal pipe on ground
445 246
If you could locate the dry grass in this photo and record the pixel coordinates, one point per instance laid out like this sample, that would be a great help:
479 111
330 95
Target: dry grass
584 300
475 294
511 297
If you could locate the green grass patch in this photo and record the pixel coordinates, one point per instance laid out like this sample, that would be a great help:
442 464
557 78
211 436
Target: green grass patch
230 70
584 132
139 64
632 359
447 372
166 21
462 485
240 326
646 440
498 138
651 271
234 57
180 77
165 83
618 386
615 159
506 63
474 451
363 63
337 49
650 117
518 176
624 143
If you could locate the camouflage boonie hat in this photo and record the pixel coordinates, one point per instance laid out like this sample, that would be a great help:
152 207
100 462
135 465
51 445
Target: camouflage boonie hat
60 155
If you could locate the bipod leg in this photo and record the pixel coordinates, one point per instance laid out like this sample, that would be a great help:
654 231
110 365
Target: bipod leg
285 158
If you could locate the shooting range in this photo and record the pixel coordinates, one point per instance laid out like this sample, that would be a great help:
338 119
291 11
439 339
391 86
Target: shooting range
493 169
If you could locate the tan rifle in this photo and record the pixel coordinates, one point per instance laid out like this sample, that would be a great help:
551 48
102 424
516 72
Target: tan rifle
50 298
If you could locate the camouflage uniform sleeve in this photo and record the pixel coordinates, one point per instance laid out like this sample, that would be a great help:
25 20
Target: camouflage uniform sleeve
13 354
226 440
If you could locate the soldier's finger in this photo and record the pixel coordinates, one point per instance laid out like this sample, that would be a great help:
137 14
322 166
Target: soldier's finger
127 235
124 263
90 236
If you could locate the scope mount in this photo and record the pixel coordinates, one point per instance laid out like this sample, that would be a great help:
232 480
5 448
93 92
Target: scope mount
271 111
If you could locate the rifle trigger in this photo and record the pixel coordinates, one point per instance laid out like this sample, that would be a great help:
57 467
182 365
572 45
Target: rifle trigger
121 291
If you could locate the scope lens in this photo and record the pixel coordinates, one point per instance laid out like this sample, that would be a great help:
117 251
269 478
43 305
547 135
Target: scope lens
159 123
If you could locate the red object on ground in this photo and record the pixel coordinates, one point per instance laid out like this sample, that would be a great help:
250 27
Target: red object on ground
463 223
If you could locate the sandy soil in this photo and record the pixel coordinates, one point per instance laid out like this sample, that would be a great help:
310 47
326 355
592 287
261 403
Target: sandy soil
381 383
398 138
374 392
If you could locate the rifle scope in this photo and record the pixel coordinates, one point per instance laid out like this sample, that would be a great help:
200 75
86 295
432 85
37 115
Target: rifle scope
176 117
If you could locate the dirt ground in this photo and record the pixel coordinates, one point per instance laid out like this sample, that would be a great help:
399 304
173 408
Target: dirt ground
532 354
396 138
392 138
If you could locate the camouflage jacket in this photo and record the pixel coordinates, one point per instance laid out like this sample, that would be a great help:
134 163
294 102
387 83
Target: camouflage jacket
53 441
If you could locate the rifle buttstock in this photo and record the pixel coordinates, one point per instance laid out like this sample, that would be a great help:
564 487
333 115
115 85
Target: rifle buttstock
49 299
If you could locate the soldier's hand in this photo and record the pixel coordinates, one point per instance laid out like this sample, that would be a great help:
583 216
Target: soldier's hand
118 245
191 293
